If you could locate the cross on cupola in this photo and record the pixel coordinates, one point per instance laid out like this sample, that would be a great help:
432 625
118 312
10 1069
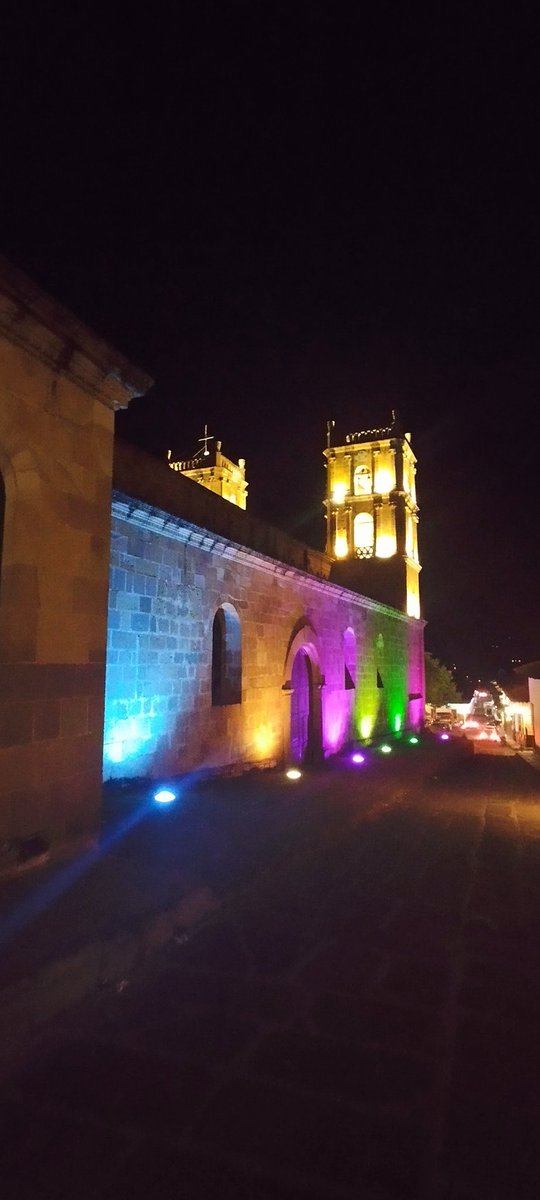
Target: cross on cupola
219 474
205 439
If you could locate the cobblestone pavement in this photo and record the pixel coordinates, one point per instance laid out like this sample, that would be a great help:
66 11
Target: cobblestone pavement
359 1018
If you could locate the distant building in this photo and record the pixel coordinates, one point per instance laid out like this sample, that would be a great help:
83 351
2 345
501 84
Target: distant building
531 672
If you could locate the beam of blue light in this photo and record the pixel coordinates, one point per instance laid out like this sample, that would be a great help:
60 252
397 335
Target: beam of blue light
44 896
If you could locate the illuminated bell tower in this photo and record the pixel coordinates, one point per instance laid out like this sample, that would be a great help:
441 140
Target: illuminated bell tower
372 516
214 471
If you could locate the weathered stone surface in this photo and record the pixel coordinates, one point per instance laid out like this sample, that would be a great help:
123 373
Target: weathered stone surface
59 386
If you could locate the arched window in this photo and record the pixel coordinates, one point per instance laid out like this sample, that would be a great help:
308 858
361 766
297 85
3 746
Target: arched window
363 534
226 657
349 659
362 481
379 659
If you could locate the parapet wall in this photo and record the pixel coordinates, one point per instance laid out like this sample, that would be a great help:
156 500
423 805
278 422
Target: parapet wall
139 475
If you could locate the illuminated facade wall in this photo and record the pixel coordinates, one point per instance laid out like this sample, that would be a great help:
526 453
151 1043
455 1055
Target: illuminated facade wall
168 581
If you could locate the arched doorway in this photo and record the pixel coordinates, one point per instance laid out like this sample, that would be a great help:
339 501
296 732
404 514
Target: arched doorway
303 739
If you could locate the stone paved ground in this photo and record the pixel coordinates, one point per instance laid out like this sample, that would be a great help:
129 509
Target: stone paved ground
359 1018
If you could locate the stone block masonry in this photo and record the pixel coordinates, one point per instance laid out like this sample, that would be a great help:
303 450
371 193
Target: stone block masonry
169 578
59 388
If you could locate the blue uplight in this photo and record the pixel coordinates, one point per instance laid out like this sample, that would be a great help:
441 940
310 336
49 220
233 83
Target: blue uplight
164 796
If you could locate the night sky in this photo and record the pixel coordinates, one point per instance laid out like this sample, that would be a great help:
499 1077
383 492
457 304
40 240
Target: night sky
293 212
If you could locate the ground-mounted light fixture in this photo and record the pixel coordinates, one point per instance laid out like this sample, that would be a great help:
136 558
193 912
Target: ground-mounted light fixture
164 796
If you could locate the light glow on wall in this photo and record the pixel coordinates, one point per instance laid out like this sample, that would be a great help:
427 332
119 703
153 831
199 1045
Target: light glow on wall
339 493
413 605
366 727
336 718
126 738
341 545
386 545
265 740
384 481
398 723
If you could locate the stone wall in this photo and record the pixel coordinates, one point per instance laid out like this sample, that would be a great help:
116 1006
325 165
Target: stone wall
169 577
59 388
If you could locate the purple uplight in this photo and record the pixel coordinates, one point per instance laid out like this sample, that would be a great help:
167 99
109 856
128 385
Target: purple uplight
445 737
358 758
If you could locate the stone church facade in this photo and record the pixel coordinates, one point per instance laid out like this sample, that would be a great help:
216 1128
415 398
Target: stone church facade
148 627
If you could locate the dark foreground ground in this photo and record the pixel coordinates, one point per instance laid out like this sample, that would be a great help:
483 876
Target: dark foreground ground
357 1016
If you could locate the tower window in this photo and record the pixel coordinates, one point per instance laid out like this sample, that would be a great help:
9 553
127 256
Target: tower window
363 534
362 481
226 657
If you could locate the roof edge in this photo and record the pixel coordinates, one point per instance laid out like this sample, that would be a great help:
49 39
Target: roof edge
70 346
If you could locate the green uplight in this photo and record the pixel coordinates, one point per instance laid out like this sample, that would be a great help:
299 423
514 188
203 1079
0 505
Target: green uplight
413 741
385 749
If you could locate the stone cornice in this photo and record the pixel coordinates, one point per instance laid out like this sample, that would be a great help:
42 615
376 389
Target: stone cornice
154 520
50 333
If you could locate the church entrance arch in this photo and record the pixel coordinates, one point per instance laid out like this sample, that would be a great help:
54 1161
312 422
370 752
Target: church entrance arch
304 684
302 733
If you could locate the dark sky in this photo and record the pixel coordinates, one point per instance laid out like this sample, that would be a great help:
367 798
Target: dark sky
294 212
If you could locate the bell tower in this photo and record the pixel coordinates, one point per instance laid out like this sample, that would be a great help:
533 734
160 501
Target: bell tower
372 515
214 471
